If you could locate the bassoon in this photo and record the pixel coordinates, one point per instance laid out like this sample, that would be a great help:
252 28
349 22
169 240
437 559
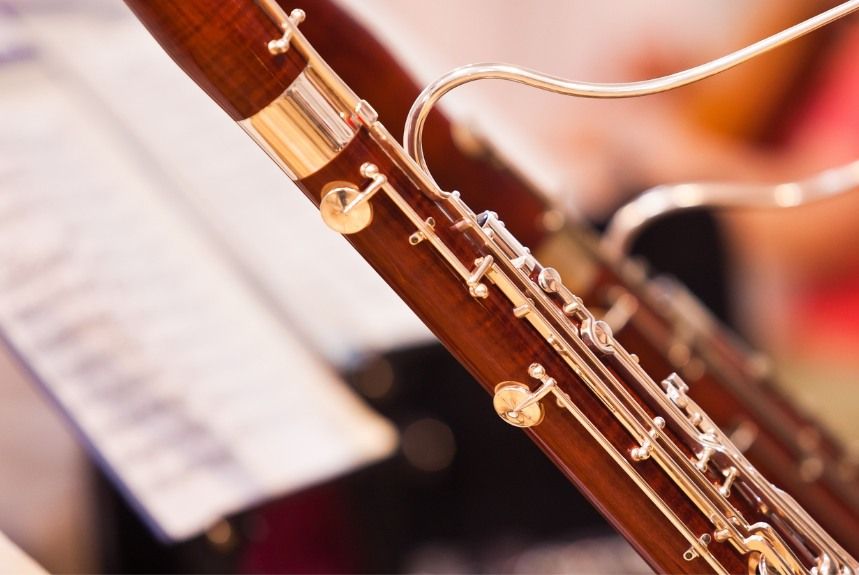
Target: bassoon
646 454
665 325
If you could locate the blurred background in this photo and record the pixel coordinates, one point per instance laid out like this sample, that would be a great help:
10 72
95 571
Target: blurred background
188 385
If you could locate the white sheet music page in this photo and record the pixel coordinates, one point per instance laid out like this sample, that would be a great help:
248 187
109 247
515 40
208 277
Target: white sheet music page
207 165
186 384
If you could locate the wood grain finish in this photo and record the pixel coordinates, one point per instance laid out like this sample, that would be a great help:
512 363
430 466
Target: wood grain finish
198 34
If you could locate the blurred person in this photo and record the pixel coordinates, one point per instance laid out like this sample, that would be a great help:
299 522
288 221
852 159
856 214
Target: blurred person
799 268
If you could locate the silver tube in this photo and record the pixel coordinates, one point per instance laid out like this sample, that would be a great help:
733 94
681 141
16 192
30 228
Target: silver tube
659 201
413 135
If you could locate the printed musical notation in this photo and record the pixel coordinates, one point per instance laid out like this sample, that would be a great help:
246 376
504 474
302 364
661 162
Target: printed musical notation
184 382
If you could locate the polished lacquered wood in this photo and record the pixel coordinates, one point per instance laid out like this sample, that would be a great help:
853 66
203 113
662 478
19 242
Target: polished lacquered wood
495 349
482 333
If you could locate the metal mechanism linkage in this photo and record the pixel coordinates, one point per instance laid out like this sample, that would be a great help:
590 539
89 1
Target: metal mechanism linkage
698 342
510 270
663 425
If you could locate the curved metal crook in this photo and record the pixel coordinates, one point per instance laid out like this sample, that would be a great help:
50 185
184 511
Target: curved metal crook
413 136
659 201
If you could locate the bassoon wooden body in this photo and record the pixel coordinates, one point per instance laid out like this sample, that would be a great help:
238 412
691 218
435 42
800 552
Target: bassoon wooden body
646 454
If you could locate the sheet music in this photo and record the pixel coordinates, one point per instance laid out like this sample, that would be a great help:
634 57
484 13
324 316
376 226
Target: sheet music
187 384
204 161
